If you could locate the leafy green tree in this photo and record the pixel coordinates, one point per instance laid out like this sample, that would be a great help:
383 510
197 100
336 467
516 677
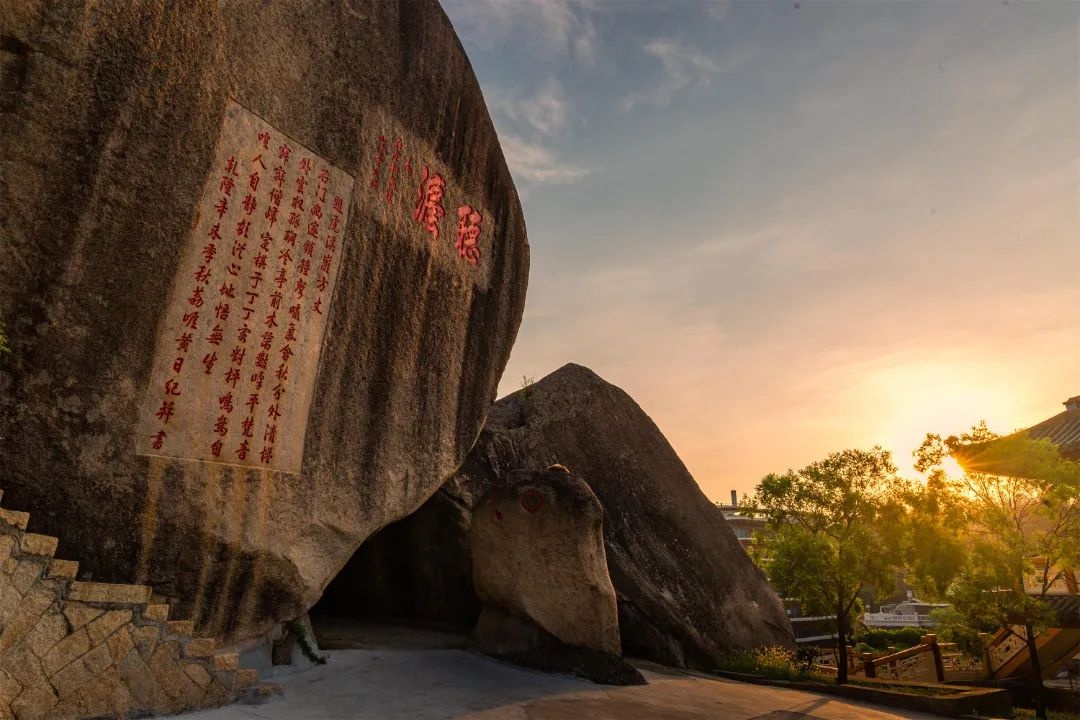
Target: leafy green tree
1016 522
828 535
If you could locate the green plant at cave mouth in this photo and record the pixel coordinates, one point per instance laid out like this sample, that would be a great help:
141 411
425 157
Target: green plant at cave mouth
4 347
305 644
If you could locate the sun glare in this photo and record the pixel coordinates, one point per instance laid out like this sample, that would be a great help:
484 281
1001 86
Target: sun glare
952 468
935 397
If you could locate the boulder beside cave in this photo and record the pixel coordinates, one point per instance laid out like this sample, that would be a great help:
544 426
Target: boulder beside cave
522 642
538 552
687 591
538 566
261 267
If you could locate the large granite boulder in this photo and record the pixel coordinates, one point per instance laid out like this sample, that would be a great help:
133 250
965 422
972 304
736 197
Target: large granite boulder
687 591
537 550
261 266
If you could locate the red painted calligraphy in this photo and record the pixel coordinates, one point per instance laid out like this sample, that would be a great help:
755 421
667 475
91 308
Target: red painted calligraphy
468 234
429 205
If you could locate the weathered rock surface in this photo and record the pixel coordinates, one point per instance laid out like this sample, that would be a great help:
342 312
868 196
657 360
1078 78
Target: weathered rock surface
522 642
687 591
538 553
121 123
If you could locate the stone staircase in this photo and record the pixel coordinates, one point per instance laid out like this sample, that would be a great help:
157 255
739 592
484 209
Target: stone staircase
71 649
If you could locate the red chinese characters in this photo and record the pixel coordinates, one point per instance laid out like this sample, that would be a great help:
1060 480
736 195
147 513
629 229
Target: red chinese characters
380 158
395 168
431 196
468 234
429 204
235 368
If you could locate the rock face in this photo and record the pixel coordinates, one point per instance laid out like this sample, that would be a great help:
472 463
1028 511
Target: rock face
522 642
261 267
538 552
686 589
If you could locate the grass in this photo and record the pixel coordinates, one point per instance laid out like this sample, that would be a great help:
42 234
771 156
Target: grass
772 662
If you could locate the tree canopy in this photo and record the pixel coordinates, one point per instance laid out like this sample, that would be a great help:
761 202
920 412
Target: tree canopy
829 535
997 539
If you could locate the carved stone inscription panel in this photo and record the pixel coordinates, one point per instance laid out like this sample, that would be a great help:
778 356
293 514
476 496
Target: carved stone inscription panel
238 350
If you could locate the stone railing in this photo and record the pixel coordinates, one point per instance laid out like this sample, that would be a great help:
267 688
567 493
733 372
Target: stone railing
1005 646
826 661
920 663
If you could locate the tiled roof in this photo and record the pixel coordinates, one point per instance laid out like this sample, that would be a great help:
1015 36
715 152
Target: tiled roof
1067 608
1063 430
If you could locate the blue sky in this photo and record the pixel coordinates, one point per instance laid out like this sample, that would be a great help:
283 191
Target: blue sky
790 228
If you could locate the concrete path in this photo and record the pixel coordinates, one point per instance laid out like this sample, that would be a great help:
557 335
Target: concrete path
449 683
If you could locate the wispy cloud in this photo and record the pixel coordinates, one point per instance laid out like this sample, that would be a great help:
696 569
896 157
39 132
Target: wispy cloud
719 9
555 29
684 66
546 111
535 163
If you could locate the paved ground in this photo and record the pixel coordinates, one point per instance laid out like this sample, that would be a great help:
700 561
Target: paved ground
380 684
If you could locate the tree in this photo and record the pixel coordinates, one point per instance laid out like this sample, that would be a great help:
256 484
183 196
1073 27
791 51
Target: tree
1017 522
828 535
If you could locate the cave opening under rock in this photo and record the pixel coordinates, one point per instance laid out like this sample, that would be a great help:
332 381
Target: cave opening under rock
414 573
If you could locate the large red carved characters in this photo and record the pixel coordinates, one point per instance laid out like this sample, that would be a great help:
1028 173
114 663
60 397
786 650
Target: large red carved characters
392 169
468 235
429 202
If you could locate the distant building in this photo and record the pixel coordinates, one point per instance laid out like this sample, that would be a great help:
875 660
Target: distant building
743 524
912 612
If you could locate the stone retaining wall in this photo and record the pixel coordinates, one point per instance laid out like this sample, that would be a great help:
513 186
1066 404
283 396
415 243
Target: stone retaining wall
71 649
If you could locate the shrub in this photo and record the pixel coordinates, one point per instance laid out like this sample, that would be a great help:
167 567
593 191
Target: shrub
881 638
772 662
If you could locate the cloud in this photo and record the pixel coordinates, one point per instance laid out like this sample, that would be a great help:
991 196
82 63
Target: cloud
535 163
719 9
683 66
546 111
554 28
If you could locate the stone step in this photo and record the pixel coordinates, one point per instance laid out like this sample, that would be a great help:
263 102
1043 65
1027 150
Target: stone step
158 612
226 661
63 569
41 545
109 593
14 517
245 678
200 647
185 628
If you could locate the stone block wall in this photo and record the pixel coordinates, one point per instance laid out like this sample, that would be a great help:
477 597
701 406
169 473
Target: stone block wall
71 649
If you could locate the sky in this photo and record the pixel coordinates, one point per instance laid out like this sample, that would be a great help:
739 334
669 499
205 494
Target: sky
790 228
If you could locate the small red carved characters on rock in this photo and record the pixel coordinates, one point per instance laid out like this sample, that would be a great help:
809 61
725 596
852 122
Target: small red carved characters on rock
429 203
468 234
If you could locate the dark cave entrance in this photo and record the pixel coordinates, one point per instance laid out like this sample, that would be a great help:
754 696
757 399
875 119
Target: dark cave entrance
416 572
